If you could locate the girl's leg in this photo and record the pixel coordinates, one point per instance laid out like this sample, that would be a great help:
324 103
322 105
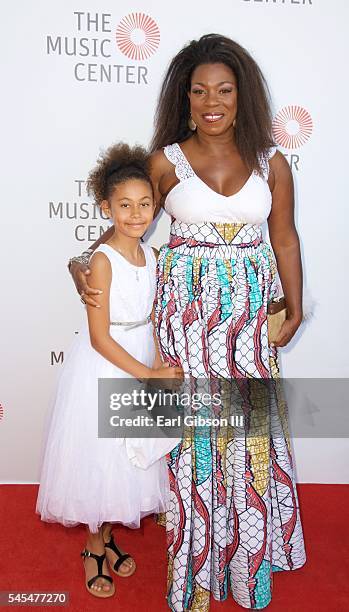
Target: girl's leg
95 544
128 566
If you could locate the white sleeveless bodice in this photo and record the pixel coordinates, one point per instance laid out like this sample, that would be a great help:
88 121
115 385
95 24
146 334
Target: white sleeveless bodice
193 201
132 288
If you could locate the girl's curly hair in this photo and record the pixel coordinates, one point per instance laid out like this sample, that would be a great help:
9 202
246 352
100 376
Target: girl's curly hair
117 164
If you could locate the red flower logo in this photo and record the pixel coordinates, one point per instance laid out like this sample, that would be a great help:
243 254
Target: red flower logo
137 36
292 127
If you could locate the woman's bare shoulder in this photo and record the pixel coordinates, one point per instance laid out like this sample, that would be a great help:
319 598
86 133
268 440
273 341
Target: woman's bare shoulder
159 162
160 168
279 163
280 171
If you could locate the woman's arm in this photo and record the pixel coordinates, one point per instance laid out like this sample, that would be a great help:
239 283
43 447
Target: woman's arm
158 167
80 270
99 328
285 242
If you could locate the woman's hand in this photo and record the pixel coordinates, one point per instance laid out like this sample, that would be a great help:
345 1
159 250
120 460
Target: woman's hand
79 273
287 331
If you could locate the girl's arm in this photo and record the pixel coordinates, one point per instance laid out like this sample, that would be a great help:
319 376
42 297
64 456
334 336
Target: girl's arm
157 359
99 322
158 362
99 328
285 242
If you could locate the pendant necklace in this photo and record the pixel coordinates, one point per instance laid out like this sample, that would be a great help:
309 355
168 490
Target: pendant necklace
118 250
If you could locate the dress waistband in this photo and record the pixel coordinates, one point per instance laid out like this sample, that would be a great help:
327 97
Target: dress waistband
212 235
131 324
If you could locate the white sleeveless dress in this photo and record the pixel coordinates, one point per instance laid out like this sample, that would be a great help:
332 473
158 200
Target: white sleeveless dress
233 517
91 480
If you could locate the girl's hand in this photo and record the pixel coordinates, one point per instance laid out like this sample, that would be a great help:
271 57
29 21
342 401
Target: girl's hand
173 376
287 331
79 273
157 362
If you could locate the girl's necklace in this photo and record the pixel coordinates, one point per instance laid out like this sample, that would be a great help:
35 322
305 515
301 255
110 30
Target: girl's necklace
124 256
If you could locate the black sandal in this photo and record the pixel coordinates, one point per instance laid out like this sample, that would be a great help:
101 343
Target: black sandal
122 557
99 558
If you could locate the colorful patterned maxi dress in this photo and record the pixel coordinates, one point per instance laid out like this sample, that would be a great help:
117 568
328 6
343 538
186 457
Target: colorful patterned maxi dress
234 517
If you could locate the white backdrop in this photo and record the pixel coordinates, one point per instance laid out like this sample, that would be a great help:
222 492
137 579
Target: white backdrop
68 91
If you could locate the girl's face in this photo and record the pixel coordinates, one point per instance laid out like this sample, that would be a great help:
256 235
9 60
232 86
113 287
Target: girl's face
131 207
213 98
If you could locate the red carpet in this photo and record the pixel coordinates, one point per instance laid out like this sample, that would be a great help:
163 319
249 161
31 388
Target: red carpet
40 557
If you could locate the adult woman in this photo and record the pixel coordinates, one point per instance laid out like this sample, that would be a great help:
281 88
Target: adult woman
234 514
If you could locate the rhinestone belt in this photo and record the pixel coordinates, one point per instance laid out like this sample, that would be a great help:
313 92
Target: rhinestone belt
131 324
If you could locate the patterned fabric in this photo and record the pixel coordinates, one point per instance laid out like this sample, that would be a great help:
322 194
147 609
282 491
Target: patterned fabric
233 517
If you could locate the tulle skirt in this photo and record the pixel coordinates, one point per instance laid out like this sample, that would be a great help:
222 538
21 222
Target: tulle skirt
86 479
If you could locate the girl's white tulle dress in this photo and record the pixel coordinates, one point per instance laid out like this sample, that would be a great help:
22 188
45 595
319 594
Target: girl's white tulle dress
86 479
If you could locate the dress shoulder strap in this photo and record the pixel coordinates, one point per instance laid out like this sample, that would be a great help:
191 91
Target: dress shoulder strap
106 249
149 254
175 155
115 259
264 160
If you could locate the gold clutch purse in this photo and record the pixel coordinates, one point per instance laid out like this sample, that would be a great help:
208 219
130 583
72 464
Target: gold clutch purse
276 315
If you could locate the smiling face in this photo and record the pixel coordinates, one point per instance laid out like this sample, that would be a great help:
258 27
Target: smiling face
213 98
131 207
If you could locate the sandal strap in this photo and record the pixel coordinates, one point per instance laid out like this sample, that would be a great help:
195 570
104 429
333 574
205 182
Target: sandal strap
120 561
99 558
111 544
122 557
93 580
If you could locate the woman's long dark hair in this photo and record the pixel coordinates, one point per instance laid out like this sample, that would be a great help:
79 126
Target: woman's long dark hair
253 131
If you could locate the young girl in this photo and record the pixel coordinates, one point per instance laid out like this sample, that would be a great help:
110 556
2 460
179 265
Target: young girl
86 479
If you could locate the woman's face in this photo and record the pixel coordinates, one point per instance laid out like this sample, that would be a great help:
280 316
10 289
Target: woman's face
213 98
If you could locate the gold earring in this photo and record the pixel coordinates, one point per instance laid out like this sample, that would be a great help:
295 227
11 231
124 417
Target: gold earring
191 123
234 122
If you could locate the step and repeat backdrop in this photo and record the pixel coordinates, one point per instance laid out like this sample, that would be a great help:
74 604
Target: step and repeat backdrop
78 76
